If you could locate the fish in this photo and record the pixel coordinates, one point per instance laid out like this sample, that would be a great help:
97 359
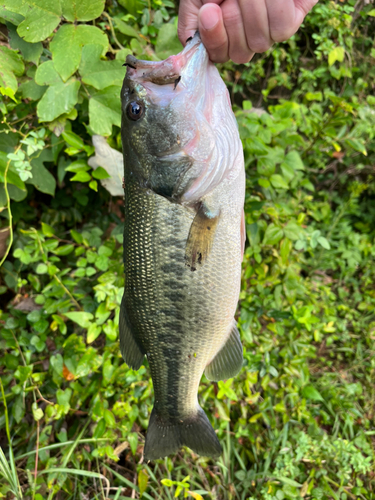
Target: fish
184 236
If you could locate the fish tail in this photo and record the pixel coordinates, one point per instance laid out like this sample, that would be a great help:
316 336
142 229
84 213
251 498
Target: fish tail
164 438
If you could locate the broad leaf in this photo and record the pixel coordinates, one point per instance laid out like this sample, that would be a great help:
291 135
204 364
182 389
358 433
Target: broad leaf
105 110
66 46
12 175
167 43
125 28
31 90
272 235
132 6
12 17
294 160
278 181
30 51
337 54
42 179
81 318
42 17
10 65
310 392
58 99
82 10
99 74
46 74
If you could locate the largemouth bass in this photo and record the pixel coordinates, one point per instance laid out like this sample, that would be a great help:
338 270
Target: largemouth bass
183 240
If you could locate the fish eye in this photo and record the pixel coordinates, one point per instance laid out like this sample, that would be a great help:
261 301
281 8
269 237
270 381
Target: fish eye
135 110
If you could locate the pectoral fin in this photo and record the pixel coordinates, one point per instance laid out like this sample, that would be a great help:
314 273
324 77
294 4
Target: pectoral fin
228 361
130 350
201 237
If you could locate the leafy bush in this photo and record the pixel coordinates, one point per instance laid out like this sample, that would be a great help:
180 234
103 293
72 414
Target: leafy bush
298 420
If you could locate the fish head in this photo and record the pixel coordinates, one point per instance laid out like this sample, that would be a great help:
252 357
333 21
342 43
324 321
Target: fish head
171 111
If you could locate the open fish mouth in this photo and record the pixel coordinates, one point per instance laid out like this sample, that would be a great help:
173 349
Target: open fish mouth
162 72
176 73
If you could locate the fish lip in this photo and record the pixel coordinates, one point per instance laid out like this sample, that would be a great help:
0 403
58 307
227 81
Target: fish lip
160 72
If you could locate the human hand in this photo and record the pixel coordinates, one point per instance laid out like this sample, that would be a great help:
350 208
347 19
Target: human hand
236 29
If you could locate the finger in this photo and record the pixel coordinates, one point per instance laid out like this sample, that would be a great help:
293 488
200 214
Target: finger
212 31
302 8
255 19
188 19
286 16
239 51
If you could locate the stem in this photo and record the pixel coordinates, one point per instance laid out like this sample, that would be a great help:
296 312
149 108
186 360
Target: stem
112 30
67 292
45 259
36 458
9 215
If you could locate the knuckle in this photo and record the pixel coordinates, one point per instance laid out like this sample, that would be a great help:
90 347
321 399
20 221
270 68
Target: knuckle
260 45
239 58
282 35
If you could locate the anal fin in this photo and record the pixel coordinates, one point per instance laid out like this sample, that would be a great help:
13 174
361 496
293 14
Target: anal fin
130 350
201 237
228 361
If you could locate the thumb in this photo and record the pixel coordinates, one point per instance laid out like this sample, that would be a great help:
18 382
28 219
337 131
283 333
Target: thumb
188 19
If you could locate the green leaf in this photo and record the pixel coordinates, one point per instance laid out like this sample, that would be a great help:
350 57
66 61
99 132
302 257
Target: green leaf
371 13
314 96
272 235
42 179
31 52
42 17
105 110
266 166
63 398
125 29
97 73
66 46
278 181
46 74
293 159
12 175
64 250
133 441
82 10
41 269
309 392
81 177
324 242
290 482
31 90
357 145
109 418
132 6
58 99
12 17
47 230
100 173
11 65
167 43
167 482
80 317
142 480
336 54
93 333
37 412
293 231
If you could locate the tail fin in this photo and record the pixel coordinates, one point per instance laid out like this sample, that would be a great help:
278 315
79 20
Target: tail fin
164 438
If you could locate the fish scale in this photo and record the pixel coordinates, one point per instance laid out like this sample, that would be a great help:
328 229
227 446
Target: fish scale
177 312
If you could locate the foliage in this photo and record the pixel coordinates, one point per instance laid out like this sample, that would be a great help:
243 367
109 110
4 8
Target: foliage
298 421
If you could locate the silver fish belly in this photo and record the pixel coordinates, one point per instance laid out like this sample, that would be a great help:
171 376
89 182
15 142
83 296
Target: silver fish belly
183 240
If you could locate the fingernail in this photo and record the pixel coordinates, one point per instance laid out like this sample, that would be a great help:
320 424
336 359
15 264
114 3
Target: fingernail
208 17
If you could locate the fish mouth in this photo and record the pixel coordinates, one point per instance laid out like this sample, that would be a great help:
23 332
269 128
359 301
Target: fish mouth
169 72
